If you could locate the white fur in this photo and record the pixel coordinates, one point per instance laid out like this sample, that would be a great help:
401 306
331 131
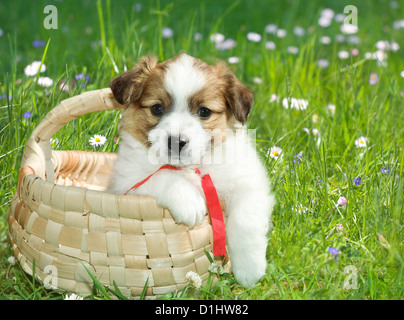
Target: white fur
182 80
240 178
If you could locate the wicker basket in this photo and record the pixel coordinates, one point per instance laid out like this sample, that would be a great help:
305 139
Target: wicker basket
60 219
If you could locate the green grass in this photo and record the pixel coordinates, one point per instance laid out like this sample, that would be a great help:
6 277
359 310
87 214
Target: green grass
102 38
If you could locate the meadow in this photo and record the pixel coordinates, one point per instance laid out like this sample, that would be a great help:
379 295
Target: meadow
328 115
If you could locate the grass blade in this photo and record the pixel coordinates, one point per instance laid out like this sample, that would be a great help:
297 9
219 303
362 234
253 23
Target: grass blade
143 294
97 284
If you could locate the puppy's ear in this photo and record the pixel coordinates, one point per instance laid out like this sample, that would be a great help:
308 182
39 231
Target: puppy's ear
239 97
128 87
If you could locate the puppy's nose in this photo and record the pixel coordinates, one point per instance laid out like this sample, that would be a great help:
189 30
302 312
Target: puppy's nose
176 143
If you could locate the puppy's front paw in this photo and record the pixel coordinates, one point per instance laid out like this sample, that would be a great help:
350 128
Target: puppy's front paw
186 204
248 272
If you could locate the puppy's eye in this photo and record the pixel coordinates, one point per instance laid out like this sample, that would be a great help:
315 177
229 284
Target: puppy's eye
204 113
157 110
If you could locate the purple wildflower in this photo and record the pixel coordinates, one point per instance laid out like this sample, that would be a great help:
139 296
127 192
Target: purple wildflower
38 43
385 170
80 76
297 158
4 96
357 181
334 252
27 115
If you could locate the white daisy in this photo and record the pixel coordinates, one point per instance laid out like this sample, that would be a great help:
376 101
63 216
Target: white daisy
398 24
73 296
216 37
274 97
167 33
275 152
327 12
381 57
300 104
322 63
32 69
198 36
97 140
382 45
194 279
227 44
348 28
324 21
257 80
343 54
271 28
361 142
11 260
394 46
216 268
45 82
270 45
234 60
339 17
254 37
281 33
325 40
54 143
331 109
292 50
299 209
299 31
285 102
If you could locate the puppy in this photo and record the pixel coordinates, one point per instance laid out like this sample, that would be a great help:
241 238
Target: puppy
186 113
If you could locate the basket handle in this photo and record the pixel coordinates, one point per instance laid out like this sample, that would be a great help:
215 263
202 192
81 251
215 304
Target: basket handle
38 153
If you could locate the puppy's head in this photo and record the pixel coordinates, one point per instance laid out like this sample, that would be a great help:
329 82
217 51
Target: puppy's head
178 108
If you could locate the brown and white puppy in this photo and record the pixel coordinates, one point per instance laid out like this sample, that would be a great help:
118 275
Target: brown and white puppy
189 114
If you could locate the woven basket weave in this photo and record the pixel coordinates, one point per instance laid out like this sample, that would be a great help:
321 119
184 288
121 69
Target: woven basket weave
60 219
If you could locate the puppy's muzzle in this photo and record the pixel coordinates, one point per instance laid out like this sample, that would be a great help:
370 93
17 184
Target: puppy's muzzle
176 144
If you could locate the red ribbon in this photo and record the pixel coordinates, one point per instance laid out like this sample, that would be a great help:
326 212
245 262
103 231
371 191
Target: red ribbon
216 216
215 211
137 185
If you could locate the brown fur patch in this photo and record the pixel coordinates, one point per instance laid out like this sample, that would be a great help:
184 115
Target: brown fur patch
238 96
137 118
129 86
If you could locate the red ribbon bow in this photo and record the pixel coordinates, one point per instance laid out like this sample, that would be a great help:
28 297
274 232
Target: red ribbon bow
215 211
